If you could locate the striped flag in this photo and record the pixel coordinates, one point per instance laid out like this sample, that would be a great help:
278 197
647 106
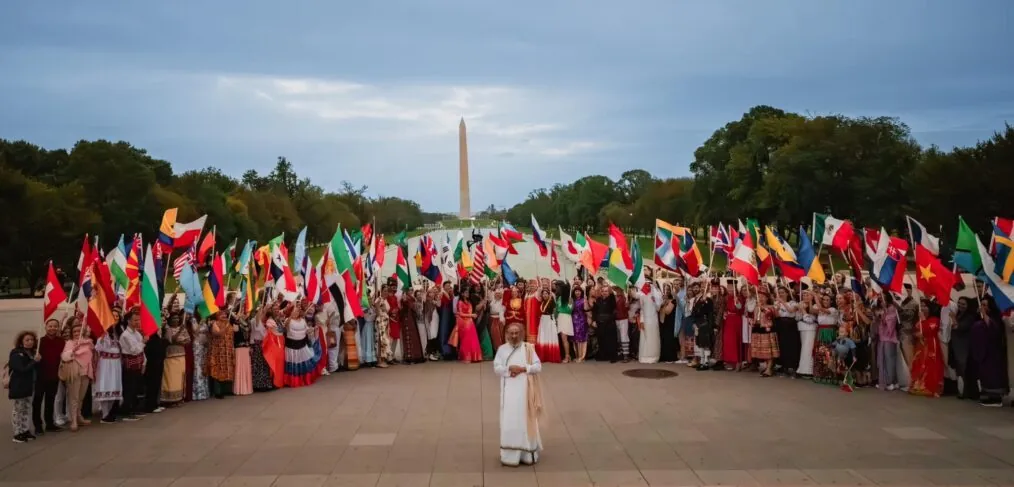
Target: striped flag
185 259
151 302
478 265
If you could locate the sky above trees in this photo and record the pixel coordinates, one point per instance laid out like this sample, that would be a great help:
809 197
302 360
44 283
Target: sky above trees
551 91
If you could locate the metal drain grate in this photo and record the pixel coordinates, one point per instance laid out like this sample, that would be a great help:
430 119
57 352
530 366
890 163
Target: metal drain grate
650 373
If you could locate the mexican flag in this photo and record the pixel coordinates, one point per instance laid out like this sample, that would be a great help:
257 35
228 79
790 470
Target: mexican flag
151 302
833 232
402 270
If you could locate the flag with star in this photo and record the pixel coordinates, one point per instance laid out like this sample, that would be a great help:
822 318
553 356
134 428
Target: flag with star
932 277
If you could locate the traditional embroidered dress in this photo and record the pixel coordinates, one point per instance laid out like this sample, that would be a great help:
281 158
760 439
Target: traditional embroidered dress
515 314
174 373
382 324
303 354
520 404
928 361
547 345
368 337
827 333
533 316
469 349
108 387
764 340
200 346
496 310
221 357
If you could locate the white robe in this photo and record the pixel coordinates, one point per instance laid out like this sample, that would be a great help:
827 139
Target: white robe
650 345
515 445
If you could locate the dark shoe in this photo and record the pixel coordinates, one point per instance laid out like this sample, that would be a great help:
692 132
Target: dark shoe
108 421
53 429
29 436
19 438
131 418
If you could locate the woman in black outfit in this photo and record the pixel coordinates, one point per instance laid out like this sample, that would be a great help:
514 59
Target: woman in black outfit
667 328
604 315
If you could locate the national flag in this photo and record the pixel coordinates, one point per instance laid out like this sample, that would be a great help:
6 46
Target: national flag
965 250
184 260
744 261
854 255
1003 252
492 264
509 276
207 247
379 253
190 283
764 259
920 236
351 245
151 300
343 273
690 260
54 294
1006 227
207 306
216 280
889 263
311 284
666 246
594 253
117 263
461 256
510 235
554 261
871 239
133 272
160 267
187 234
367 232
637 276
720 242
345 299
84 260
100 303
808 259
786 259
539 237
243 263
570 249
401 269
478 265
500 247
619 271
835 233
1003 292
425 260
301 262
933 278
167 231
229 257
248 293
281 274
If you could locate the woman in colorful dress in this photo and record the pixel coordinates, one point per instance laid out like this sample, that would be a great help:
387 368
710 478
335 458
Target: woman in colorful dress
221 355
515 312
303 350
469 349
367 339
107 391
496 311
480 305
927 359
547 345
242 384
764 339
446 312
732 330
807 326
579 320
827 333
174 373
856 321
201 344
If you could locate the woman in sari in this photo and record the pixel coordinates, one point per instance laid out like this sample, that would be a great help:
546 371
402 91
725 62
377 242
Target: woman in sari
469 349
927 359
174 374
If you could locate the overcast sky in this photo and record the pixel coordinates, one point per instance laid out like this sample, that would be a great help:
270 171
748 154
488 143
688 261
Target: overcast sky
551 90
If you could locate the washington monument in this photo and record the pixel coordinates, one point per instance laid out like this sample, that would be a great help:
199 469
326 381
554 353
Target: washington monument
465 212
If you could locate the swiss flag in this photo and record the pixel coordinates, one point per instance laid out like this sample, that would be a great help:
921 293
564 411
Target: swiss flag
54 294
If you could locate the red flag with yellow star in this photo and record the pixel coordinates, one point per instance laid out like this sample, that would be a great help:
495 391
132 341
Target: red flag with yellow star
932 277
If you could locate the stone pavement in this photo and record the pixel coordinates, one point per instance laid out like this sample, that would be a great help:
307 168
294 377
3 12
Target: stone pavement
436 424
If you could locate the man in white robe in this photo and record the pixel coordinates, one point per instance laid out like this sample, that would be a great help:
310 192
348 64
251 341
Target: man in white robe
520 399
650 346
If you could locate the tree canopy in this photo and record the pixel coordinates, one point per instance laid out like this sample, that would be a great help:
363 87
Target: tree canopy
53 198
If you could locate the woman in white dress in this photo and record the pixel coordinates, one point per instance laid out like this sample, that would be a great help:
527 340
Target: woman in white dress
807 333
650 346
107 392
518 366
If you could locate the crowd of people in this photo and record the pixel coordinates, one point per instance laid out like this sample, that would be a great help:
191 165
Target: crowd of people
830 333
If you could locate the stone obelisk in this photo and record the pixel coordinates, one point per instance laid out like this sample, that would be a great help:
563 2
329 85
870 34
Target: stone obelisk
465 211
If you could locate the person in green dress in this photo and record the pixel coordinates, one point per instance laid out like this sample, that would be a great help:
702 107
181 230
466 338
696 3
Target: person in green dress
480 302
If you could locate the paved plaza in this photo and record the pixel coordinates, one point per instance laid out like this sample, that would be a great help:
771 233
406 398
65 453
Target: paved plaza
436 424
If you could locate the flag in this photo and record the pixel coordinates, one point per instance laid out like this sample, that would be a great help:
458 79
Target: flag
618 240
509 276
932 277
808 259
854 255
402 269
186 234
835 233
570 248
151 301
922 237
594 253
720 242
249 294
500 247
492 264
889 263
100 303
184 260
311 284
744 262
1006 227
301 261
426 260
539 237
133 272
619 271
666 255
784 256
1003 252
243 263
207 306
117 263
54 295
216 280
461 256
510 235
343 273
207 245
83 260
367 232
478 265
764 260
966 254
167 231
689 255
190 283
379 253
285 283
637 277
351 245
554 261
229 257
1003 292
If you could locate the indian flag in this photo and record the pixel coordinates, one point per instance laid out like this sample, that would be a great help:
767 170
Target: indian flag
151 302
402 270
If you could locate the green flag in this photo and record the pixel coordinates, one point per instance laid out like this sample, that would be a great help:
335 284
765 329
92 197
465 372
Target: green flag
966 251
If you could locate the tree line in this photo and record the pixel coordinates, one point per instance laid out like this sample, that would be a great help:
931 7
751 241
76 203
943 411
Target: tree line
51 198
780 167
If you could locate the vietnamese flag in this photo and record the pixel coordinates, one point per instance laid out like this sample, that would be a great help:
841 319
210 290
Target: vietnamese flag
932 277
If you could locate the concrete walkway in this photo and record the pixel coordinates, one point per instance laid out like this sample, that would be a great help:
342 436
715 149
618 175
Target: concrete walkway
437 424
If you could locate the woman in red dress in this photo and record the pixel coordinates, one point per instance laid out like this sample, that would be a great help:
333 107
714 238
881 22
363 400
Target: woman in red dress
732 330
469 349
927 361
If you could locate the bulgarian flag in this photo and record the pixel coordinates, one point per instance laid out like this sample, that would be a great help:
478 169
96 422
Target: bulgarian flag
402 270
151 302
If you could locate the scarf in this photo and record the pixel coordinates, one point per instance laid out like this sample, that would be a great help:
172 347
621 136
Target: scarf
535 407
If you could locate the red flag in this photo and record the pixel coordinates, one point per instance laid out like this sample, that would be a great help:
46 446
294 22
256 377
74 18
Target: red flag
554 262
84 260
743 260
54 294
207 245
932 277
100 304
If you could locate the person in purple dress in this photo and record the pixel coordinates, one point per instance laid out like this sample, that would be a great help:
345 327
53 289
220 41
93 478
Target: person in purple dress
580 319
